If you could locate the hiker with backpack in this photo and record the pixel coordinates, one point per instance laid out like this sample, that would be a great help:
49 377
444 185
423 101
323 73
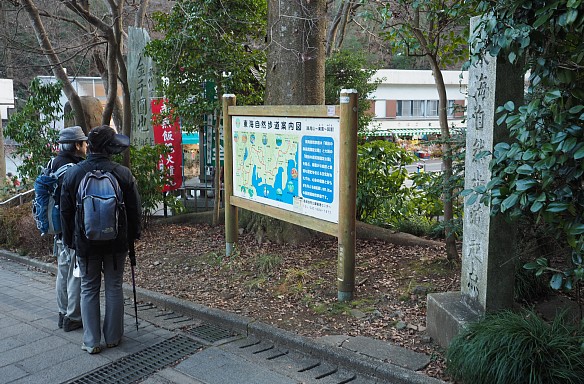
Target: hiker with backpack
72 149
101 217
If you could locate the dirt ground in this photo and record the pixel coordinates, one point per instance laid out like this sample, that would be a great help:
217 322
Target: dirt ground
291 287
294 287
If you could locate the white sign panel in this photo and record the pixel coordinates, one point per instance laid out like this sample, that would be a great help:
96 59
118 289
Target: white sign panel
288 163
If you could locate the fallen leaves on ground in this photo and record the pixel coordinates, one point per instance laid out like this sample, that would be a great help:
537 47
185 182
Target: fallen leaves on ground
293 287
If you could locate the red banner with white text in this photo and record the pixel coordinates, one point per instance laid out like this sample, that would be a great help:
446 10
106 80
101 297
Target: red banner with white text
168 132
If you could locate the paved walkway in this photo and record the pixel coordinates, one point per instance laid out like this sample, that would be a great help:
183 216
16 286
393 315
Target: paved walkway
176 342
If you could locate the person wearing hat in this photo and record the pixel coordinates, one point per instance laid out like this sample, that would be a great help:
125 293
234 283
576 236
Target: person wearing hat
109 257
72 149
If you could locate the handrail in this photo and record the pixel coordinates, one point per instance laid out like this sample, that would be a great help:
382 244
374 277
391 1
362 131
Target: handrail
20 198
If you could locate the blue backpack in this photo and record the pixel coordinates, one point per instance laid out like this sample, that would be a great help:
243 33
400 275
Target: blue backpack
100 204
44 209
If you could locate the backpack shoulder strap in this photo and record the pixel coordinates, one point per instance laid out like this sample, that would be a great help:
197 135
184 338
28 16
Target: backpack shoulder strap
119 192
82 165
47 168
62 169
103 169
115 173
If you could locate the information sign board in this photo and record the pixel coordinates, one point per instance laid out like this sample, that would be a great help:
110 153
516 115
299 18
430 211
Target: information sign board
290 163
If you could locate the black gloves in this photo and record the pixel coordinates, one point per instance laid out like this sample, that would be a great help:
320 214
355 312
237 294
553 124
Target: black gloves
132 254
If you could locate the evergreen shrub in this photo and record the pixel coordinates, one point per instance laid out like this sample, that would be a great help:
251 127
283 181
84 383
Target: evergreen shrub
509 347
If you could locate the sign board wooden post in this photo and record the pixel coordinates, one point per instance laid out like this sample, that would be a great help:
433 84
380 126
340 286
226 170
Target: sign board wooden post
347 196
231 218
296 163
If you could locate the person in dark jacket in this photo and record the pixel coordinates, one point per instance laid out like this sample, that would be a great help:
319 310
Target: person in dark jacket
72 149
95 257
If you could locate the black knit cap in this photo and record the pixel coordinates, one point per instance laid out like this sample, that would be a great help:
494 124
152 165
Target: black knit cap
99 137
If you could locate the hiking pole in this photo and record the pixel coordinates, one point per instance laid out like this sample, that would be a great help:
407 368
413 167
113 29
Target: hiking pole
132 255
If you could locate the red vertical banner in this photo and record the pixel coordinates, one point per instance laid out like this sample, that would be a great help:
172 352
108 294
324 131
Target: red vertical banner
168 132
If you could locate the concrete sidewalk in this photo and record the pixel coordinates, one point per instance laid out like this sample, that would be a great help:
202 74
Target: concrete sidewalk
210 346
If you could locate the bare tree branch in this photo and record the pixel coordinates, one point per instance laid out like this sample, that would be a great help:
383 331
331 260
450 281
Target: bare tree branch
83 11
53 59
62 18
141 14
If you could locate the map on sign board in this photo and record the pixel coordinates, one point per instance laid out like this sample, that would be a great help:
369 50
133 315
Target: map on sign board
289 163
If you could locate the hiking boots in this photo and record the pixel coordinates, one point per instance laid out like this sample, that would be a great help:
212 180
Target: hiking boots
61 317
71 325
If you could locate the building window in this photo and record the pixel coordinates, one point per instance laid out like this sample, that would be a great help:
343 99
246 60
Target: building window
380 108
432 108
417 108
425 108
404 108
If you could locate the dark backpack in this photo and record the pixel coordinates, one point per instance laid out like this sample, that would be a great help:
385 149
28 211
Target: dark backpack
100 206
44 210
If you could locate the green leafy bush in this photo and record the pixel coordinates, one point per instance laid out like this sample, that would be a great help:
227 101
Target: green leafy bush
381 173
416 225
427 193
511 348
208 45
348 69
151 180
528 287
384 200
539 172
535 239
33 126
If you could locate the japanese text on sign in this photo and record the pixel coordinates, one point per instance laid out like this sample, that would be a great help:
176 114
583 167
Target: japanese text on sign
289 163
169 134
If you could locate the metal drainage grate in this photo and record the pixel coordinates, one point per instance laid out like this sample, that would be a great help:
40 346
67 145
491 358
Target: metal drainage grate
139 365
210 333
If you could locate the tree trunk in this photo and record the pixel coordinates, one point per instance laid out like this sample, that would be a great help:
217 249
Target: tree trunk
7 50
295 73
447 196
432 56
140 14
295 76
343 24
114 41
112 81
56 64
338 28
103 73
332 30
126 103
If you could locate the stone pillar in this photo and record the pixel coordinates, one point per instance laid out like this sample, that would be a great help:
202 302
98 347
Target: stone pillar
141 84
488 246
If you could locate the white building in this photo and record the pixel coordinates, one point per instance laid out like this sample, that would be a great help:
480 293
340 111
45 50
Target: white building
6 97
406 102
84 86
